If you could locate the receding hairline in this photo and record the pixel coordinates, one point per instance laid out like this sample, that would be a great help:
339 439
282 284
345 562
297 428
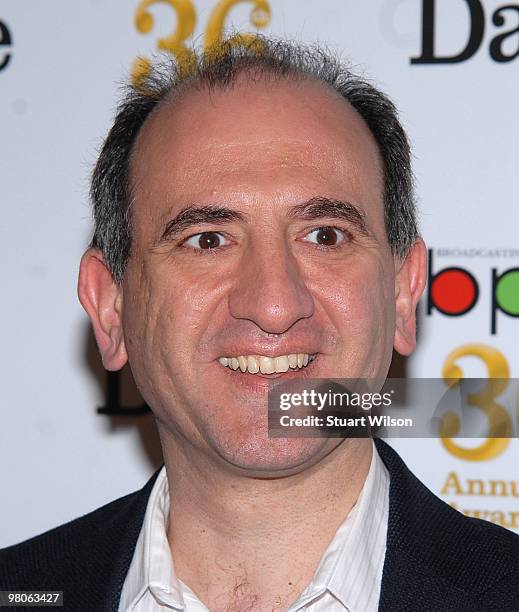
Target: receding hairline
248 76
111 190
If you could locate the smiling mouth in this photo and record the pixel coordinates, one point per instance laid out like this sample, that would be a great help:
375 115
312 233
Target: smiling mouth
260 364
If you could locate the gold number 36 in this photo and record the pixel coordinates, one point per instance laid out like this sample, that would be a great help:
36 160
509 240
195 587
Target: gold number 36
499 421
185 26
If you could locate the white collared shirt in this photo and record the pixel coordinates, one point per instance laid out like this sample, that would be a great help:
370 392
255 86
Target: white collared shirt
348 577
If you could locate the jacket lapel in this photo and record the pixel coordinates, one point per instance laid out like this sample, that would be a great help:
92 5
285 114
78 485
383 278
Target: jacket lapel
436 559
111 555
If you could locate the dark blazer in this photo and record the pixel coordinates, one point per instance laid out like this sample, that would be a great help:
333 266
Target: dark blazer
436 560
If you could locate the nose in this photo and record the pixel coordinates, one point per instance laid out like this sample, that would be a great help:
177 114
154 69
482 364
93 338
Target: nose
270 291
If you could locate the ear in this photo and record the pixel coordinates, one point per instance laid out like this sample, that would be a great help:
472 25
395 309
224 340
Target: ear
410 277
102 299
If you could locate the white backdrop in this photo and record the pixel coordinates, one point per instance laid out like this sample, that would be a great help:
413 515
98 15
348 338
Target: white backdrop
59 458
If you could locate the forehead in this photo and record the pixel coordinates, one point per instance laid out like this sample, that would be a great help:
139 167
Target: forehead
291 138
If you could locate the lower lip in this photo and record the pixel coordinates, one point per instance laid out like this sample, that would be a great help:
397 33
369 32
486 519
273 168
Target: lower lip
260 382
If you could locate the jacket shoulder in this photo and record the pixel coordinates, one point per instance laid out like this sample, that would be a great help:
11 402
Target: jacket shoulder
428 540
59 543
484 561
94 549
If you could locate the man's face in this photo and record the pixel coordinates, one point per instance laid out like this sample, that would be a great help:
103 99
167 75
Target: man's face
258 231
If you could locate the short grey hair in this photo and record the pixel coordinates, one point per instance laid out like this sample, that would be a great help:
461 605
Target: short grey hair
111 191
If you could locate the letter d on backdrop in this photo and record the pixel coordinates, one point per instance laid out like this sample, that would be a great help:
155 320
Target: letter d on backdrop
477 29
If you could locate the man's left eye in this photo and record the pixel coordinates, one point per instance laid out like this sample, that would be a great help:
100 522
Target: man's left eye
206 241
326 236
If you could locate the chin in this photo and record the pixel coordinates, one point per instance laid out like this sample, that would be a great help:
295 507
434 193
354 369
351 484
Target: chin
263 457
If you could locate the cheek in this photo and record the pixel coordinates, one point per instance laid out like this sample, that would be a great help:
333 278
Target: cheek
192 306
171 308
359 299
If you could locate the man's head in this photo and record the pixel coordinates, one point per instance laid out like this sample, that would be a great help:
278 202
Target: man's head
257 209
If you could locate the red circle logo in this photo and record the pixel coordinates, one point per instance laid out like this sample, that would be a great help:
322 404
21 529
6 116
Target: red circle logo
454 291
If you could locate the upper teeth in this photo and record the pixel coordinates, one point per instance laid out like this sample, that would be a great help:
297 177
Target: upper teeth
267 365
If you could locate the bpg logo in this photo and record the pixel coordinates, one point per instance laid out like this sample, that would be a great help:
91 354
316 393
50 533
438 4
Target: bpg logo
454 291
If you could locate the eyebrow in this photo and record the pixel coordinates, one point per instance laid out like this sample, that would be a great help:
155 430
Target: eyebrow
321 207
195 215
315 208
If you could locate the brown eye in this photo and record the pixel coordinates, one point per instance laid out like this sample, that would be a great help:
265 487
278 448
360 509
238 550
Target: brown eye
208 240
326 236
205 241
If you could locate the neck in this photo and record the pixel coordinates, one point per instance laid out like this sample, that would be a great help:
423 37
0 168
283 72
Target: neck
257 539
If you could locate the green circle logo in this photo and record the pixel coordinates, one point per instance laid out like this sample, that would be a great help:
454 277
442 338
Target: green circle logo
507 292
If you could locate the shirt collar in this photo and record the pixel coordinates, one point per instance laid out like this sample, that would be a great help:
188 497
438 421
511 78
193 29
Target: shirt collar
350 567
152 565
360 559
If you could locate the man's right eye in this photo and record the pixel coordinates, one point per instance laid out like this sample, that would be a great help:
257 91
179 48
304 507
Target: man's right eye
206 241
